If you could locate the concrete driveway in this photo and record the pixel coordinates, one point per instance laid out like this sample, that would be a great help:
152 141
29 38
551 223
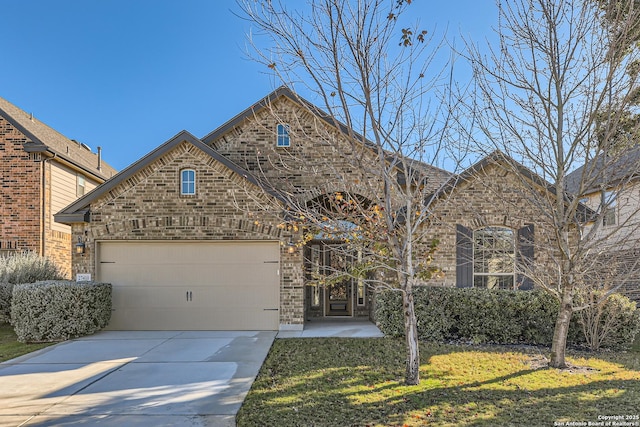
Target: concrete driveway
148 378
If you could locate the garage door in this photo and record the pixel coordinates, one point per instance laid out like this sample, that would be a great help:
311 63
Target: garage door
192 285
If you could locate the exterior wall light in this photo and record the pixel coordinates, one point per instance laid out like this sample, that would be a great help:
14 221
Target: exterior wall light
80 247
291 247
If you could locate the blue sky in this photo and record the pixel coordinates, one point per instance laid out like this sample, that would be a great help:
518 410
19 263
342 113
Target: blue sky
127 75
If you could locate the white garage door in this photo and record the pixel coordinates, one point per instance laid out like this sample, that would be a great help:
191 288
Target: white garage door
192 285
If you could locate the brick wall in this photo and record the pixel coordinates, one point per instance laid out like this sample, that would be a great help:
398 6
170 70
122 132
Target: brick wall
318 160
149 206
491 197
20 194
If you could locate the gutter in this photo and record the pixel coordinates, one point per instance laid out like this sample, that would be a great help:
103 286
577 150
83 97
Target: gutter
32 147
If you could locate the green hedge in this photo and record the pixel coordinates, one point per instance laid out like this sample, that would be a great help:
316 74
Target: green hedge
482 316
58 310
6 289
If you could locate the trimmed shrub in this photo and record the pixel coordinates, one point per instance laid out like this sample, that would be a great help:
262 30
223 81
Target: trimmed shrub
5 302
58 310
483 316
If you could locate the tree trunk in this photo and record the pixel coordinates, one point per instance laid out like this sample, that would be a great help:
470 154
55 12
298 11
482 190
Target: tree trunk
559 343
412 376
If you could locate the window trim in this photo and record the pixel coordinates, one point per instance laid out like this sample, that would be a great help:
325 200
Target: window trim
513 256
186 181
283 138
609 208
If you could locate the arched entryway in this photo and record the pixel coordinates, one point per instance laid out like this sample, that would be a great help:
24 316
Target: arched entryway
332 290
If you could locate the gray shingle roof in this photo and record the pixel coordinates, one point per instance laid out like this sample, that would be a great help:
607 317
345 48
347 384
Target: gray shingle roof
604 172
43 135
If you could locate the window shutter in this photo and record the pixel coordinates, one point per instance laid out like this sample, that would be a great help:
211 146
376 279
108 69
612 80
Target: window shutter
524 256
464 257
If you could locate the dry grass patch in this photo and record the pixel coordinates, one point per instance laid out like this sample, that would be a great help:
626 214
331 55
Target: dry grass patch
359 382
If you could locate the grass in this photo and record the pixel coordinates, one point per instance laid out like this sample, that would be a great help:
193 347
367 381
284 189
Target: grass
11 348
359 382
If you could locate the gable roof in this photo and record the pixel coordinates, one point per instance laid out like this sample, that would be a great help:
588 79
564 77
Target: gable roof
250 112
46 139
415 166
78 211
605 172
498 157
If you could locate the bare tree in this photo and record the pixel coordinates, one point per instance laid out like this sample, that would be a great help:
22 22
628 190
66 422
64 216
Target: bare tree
556 72
365 167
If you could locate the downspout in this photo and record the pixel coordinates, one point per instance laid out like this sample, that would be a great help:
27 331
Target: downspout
43 237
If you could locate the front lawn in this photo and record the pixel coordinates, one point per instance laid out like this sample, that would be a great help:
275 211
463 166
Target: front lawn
11 348
359 382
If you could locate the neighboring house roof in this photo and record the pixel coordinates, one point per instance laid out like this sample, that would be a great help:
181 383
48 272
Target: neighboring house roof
44 139
78 211
283 91
604 172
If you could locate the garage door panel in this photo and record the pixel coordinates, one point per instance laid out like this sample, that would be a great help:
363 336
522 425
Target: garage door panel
192 285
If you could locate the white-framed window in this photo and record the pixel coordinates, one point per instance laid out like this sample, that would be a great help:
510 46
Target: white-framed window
187 182
81 185
494 257
316 260
283 139
361 291
610 212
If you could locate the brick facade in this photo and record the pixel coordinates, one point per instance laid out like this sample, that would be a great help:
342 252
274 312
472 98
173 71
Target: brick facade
492 196
20 193
149 206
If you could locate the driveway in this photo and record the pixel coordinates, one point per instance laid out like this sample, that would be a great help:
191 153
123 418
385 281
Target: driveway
134 378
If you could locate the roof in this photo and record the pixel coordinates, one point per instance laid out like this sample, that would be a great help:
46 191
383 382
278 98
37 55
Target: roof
497 157
283 91
78 211
605 171
46 139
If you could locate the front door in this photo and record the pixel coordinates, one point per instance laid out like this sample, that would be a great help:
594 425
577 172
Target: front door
338 299
338 295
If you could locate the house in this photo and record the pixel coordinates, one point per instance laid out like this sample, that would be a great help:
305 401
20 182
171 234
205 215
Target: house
42 172
609 186
193 235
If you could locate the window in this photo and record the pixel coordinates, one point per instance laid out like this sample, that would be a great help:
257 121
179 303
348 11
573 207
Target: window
315 275
494 258
283 136
188 182
610 204
360 289
80 185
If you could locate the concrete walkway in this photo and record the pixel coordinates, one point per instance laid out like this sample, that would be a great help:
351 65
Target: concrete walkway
325 328
156 378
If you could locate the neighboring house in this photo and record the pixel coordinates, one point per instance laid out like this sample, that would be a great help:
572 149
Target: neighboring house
611 188
42 171
183 236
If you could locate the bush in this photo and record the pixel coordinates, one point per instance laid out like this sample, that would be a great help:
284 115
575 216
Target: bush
27 267
484 316
5 302
59 310
612 323
23 267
